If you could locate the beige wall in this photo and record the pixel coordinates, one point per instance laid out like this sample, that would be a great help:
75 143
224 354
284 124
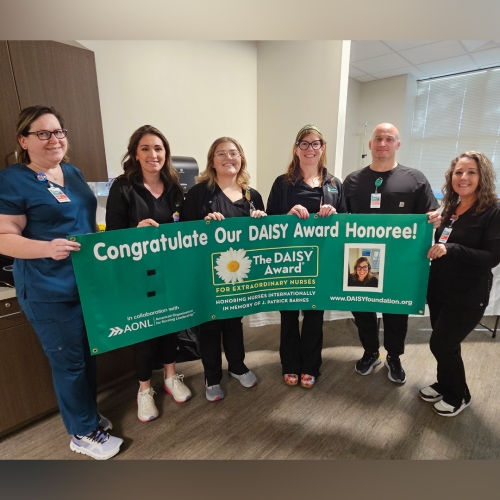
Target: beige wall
194 92
387 100
298 83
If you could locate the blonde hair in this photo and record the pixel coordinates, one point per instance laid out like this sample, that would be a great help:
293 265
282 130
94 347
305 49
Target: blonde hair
486 195
209 175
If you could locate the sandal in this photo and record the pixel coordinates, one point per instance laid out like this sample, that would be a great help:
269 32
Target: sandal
291 379
307 381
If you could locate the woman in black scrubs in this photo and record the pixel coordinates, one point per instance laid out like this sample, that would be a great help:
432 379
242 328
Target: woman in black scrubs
222 190
148 193
306 188
467 247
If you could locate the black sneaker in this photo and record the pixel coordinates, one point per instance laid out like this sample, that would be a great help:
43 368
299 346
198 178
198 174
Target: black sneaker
396 372
366 364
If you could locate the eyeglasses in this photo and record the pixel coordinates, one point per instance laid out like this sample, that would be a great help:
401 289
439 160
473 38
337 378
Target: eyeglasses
362 267
232 154
44 135
305 145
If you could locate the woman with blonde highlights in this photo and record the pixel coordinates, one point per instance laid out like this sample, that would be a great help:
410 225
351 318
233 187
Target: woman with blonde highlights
467 247
223 190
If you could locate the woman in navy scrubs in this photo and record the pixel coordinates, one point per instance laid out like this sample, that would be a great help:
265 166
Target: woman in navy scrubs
43 199
148 193
306 188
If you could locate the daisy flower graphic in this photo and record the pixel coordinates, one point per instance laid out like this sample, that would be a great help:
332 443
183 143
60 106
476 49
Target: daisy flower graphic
233 266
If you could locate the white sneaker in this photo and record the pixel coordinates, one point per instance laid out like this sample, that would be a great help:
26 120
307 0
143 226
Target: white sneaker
146 408
446 410
430 395
176 387
99 444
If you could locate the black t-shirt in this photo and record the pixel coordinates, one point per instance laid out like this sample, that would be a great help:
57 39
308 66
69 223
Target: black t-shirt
372 282
202 200
221 203
463 276
404 191
307 196
129 202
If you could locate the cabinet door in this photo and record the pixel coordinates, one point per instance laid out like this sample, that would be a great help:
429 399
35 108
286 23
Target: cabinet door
10 109
26 389
63 76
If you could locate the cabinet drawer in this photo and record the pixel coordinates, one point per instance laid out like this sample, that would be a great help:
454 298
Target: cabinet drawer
11 314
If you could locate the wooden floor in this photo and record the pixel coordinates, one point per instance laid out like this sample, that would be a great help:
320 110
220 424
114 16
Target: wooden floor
345 416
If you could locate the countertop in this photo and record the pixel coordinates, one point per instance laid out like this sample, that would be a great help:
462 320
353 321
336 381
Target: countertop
7 292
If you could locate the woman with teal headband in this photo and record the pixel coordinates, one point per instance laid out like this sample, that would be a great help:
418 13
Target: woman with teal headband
306 188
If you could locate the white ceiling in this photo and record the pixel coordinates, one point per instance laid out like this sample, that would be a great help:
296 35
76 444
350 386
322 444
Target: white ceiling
376 59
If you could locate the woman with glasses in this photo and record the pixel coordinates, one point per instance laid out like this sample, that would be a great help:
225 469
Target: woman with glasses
148 193
222 191
306 188
43 199
362 274
467 247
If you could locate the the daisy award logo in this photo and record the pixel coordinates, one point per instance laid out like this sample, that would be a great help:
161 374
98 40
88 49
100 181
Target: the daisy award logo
233 265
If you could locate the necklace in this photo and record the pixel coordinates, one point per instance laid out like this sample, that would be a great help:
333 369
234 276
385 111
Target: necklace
49 175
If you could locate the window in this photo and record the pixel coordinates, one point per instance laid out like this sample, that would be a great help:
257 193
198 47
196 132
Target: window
454 114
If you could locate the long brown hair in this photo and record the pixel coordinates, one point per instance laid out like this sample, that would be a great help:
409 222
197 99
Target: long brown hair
486 196
293 173
209 175
26 118
132 167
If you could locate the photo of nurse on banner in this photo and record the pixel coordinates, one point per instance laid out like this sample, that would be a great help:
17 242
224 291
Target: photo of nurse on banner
364 267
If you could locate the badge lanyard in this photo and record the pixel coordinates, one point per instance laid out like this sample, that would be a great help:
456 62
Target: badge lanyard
447 230
249 199
376 197
53 190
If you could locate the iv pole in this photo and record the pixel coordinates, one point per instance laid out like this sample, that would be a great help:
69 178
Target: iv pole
363 153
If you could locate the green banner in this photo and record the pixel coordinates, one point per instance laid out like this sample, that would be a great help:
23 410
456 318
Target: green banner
136 284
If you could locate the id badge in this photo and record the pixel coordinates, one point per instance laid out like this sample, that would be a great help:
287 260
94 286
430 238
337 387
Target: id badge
58 194
375 199
445 235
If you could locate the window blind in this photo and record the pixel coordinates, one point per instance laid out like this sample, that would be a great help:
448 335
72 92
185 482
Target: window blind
454 114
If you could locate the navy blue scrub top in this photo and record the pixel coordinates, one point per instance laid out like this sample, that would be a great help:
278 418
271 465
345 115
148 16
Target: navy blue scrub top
47 280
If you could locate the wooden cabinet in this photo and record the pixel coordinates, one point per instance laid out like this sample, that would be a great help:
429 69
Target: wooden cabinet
26 390
58 75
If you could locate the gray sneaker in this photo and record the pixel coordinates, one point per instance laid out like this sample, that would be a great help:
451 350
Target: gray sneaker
105 423
248 379
214 392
